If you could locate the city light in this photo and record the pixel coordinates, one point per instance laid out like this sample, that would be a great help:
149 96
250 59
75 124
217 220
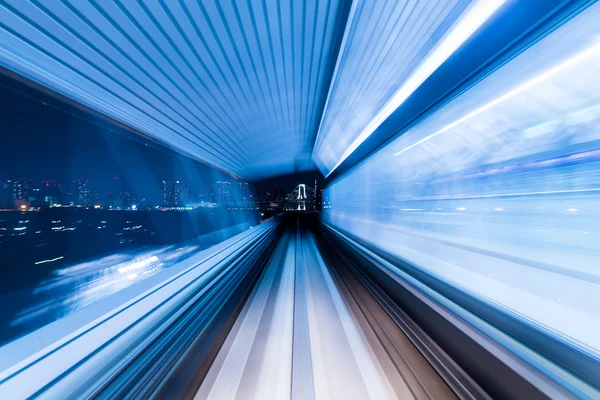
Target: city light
156 219
137 265
49 261
176 196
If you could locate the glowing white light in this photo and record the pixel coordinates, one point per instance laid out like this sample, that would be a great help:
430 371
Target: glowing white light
137 265
469 22
461 208
525 136
592 51
132 276
51 260
302 191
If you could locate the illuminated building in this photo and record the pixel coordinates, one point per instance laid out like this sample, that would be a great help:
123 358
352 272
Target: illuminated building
22 189
82 192
457 252
51 193
244 189
175 193
224 192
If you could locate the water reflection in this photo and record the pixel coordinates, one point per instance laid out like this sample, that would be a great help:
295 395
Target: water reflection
67 260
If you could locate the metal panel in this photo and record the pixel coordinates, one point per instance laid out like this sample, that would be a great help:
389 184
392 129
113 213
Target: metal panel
217 80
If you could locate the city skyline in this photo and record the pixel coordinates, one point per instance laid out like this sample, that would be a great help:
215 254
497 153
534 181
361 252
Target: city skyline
28 194
63 144
81 192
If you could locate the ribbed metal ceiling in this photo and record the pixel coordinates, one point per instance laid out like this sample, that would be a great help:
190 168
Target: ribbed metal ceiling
242 85
385 42
237 84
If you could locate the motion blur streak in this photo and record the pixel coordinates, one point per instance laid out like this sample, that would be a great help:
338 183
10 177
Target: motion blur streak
471 19
501 199
579 58
452 252
340 356
122 332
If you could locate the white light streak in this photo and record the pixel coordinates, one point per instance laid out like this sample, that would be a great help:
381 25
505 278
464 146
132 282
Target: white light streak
592 51
483 196
48 261
137 265
469 22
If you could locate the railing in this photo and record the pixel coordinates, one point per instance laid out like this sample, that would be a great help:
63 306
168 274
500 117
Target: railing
124 344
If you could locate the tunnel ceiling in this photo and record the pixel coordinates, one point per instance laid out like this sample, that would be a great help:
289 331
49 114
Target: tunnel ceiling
256 88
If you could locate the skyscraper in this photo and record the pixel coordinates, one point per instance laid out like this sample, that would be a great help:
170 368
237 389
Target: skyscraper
82 192
22 189
184 193
244 193
175 193
51 193
117 196
168 194
224 192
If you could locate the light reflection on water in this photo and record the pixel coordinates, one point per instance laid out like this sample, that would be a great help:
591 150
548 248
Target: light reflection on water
75 287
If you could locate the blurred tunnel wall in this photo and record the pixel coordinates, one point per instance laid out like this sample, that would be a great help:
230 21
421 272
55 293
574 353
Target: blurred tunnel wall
497 192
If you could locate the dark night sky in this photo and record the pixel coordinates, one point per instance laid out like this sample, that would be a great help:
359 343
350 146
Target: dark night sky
42 137
289 182
45 138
